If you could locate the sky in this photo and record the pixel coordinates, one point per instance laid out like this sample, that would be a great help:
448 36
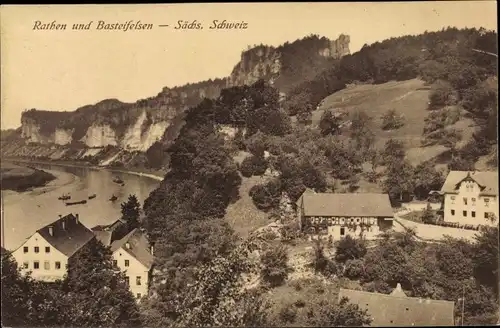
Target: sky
65 69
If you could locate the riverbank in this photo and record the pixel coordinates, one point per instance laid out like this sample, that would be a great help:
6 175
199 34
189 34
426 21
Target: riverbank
20 178
157 175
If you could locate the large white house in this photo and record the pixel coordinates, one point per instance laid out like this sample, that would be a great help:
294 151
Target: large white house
471 197
46 253
133 255
339 215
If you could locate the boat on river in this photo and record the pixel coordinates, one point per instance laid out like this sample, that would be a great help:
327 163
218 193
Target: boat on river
113 198
64 197
76 203
92 196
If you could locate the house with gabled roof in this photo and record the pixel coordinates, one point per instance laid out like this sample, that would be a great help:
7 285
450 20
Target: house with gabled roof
471 197
397 309
133 255
46 252
339 215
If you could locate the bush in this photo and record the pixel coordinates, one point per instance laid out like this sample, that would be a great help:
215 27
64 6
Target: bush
349 248
266 196
275 268
391 120
253 165
354 269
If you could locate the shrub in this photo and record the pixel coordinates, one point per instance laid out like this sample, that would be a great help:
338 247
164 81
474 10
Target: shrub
274 263
253 165
354 269
266 196
349 248
391 120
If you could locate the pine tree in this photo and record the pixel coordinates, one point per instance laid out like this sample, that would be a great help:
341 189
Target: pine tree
130 212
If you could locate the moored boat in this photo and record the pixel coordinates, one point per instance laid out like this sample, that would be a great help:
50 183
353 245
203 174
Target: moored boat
76 203
113 198
92 196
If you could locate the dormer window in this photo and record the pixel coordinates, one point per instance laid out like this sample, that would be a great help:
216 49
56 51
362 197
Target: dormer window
465 200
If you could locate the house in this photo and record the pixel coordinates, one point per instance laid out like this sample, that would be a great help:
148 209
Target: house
338 215
470 197
397 309
46 253
133 255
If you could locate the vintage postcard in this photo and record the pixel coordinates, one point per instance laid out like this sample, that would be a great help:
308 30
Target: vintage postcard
249 164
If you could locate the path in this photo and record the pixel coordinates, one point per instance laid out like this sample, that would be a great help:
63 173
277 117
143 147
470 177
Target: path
432 232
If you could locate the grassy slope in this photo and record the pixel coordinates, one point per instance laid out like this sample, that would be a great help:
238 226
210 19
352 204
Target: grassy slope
242 215
409 98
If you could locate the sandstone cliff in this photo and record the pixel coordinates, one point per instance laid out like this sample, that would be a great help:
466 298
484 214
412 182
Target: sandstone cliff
112 131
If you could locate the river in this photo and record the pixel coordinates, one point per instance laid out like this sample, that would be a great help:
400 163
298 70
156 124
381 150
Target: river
26 212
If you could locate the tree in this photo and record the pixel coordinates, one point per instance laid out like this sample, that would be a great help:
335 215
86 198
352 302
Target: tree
428 216
274 262
130 212
391 120
426 178
361 131
98 290
485 258
394 151
16 291
399 180
349 248
343 314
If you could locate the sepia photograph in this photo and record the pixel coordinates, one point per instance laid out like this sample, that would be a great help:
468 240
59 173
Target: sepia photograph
329 164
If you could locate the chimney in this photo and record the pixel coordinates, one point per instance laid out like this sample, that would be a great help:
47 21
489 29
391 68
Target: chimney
127 245
60 216
51 230
76 218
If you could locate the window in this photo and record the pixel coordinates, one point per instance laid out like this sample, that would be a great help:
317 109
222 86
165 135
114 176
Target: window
58 265
465 200
473 214
342 231
486 202
25 265
115 263
465 213
47 249
139 295
138 280
487 215
37 249
452 199
452 212
36 265
25 249
127 263
127 281
46 265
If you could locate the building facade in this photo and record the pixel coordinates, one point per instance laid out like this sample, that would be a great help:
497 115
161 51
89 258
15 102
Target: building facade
134 257
471 198
46 253
339 215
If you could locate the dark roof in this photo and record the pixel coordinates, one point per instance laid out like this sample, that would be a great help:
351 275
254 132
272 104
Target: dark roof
359 204
399 310
68 238
138 247
487 180
104 233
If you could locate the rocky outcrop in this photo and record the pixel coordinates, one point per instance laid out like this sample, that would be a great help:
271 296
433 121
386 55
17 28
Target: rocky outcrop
135 127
